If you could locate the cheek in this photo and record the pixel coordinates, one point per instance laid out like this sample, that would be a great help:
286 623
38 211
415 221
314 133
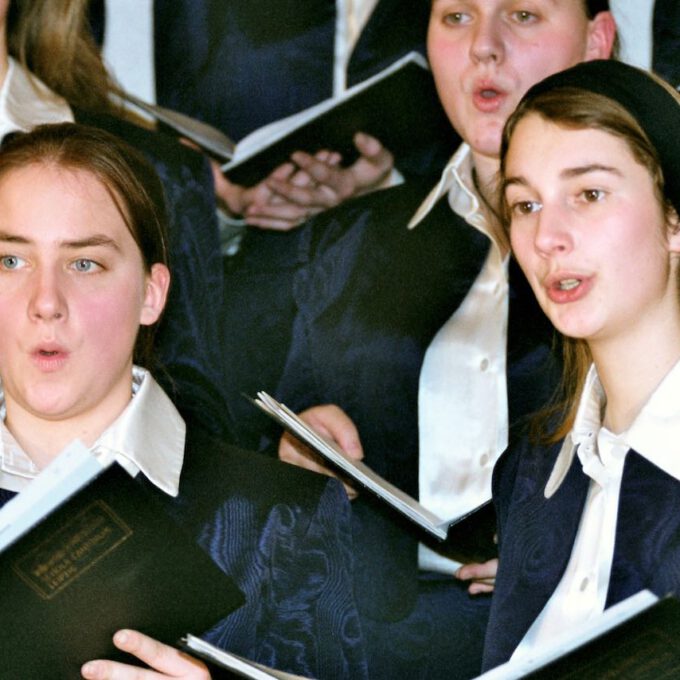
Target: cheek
554 52
446 60
112 317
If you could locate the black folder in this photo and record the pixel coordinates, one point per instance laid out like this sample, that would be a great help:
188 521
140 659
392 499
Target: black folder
109 557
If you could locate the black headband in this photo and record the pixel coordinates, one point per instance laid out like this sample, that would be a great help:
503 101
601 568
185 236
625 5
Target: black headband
653 103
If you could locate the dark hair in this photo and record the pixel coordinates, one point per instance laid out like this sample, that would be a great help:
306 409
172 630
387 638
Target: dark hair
594 7
575 108
131 182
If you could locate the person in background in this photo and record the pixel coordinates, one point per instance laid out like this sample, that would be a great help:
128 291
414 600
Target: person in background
419 348
83 281
51 71
587 500
242 65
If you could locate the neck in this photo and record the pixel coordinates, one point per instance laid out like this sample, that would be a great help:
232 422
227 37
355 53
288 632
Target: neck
44 441
43 438
485 174
631 368
486 171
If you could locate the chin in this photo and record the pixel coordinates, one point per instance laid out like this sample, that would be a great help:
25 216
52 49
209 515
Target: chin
487 142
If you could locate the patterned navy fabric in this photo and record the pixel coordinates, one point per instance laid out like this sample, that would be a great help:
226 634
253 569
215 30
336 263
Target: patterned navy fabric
284 535
666 40
536 536
368 295
240 64
188 343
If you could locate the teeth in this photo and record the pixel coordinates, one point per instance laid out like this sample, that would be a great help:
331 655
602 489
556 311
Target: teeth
568 284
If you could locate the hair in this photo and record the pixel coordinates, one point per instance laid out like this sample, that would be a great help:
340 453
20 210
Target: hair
594 7
128 178
52 39
578 109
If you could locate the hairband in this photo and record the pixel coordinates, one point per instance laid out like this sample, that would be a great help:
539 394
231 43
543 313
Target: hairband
651 101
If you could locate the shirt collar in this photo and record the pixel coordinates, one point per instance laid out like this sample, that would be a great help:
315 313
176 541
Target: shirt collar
26 102
653 434
456 180
148 436
583 434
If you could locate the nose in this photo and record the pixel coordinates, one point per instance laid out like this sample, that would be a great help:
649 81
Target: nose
552 235
487 41
47 300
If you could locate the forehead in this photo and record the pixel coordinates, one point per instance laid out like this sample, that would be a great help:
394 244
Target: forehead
50 200
540 149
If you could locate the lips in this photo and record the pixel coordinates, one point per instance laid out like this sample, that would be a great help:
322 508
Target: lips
49 357
563 288
488 97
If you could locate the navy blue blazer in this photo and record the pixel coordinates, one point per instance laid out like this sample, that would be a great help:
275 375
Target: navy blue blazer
240 64
536 536
369 296
284 536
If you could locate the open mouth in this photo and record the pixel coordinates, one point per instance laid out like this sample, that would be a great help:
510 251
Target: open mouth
568 284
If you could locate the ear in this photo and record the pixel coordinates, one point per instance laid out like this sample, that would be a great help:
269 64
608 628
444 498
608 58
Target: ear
155 295
601 36
673 232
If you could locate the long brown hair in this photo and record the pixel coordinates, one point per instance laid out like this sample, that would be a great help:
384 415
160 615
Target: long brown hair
577 109
53 40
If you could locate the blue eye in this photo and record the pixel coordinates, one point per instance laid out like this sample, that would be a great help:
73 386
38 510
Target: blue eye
11 262
85 266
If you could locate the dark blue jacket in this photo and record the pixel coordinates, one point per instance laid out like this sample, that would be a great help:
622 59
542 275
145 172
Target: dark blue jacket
284 536
666 40
240 64
536 536
369 296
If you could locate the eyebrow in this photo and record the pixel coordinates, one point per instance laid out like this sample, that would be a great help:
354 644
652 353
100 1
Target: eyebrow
568 173
97 240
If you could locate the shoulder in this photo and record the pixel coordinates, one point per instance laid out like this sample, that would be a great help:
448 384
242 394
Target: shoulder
522 471
384 211
364 250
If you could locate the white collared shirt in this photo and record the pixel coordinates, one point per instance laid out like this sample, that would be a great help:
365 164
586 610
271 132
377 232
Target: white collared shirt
26 102
463 409
654 434
148 436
